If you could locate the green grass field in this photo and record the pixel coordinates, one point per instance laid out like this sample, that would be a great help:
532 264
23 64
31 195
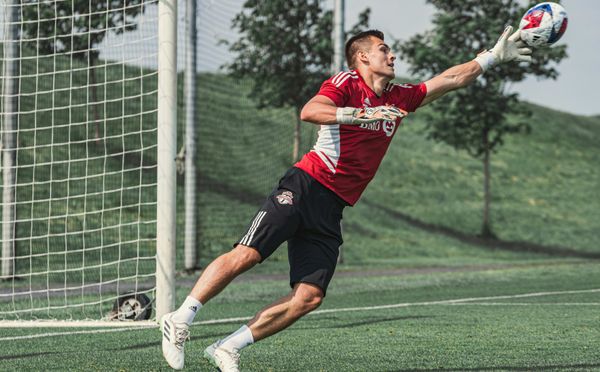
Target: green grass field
493 319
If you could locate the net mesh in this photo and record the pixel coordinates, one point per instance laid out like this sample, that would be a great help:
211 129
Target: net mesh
84 156
85 151
242 151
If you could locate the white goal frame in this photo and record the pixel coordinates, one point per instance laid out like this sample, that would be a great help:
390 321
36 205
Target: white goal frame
164 300
167 153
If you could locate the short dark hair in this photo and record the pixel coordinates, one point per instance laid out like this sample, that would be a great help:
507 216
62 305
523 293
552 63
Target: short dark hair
357 42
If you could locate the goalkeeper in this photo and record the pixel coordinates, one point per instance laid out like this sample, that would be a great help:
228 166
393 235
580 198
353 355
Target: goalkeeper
359 112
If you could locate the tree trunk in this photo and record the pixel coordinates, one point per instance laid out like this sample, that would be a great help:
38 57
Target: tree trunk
486 227
296 149
92 73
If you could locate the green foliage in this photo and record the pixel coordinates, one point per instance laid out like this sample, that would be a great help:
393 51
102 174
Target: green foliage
76 26
475 118
285 48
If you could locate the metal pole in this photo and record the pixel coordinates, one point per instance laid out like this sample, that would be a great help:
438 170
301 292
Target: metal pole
9 127
167 143
338 63
338 36
190 137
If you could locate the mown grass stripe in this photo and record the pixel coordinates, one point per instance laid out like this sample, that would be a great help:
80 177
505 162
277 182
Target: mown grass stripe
459 301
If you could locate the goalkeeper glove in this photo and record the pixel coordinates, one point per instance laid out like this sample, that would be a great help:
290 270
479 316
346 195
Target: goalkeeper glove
353 115
508 48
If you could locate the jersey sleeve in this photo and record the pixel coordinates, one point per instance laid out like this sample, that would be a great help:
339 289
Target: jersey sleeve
337 88
410 96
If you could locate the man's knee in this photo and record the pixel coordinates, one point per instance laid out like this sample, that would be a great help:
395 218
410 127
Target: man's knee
307 297
245 256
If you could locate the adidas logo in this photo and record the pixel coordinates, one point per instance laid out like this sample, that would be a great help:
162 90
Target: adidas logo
194 308
367 102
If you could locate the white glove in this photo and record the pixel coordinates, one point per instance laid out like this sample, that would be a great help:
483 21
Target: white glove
354 115
508 48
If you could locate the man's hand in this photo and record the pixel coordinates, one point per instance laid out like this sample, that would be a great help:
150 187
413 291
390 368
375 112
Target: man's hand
352 115
508 48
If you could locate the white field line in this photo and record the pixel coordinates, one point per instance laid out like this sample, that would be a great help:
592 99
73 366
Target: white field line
68 333
455 301
76 324
458 301
526 304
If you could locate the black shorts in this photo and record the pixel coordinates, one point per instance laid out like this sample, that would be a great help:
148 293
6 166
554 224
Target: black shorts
307 215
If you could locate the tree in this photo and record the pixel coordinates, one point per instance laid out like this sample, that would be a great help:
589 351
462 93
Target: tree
475 119
286 49
76 27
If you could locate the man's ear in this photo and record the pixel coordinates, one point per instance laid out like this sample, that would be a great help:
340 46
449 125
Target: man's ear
363 56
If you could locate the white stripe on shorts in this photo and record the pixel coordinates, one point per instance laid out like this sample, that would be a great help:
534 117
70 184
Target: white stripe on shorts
250 234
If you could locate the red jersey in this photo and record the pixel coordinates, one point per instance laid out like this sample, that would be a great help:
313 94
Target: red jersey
346 157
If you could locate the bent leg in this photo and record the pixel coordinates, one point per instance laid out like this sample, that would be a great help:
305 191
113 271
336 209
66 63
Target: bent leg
274 223
303 299
219 273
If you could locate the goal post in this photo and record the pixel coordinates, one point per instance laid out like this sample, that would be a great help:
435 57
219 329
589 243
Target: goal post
10 73
88 123
167 152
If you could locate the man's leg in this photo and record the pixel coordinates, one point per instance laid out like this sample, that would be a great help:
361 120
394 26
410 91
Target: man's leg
223 270
313 248
276 221
279 315
217 275
303 299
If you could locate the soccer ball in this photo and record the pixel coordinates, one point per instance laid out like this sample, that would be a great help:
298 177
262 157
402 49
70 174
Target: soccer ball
543 24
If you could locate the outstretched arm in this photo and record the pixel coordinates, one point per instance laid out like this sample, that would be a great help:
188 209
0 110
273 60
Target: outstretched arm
453 78
508 48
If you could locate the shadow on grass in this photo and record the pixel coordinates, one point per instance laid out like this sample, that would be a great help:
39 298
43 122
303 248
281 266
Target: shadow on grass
375 321
516 246
28 355
203 338
544 367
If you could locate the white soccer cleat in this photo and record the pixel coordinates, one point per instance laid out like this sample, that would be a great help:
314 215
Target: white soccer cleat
174 336
224 360
209 353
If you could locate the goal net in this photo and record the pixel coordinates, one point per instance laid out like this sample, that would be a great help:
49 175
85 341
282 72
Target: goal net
81 132
79 156
240 153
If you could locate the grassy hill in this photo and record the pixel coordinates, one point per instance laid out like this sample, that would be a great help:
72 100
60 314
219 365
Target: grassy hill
543 187
423 208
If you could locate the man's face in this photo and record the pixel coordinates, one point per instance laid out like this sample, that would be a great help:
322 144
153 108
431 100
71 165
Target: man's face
381 58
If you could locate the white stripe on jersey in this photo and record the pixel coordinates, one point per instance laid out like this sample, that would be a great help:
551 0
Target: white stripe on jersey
250 234
343 75
325 160
339 76
328 144
342 81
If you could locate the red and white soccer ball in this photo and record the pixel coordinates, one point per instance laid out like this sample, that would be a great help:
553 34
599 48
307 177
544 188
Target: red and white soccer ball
543 24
